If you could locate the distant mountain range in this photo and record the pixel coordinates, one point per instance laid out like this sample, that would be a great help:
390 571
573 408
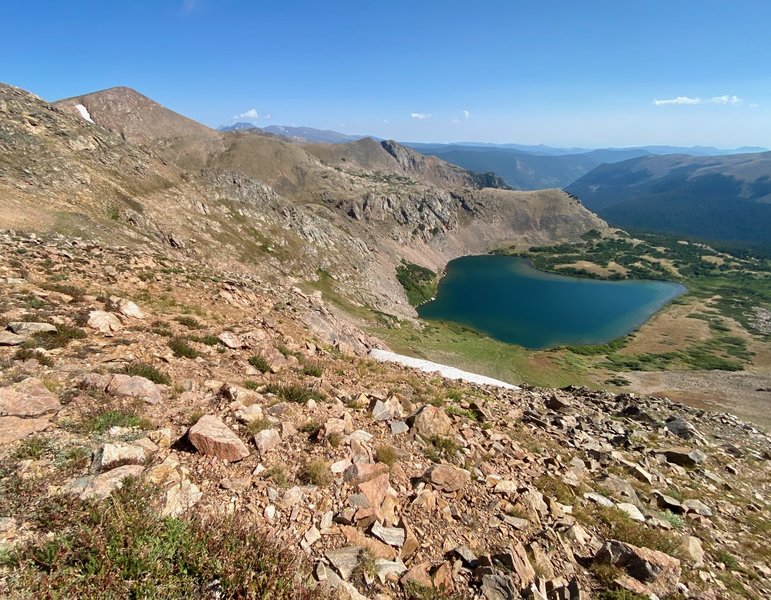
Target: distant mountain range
297 134
720 198
538 167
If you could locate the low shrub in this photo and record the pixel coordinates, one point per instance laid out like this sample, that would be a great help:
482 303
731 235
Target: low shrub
148 372
182 349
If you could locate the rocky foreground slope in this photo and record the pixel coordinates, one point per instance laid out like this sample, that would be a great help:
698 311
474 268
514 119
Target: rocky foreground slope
125 370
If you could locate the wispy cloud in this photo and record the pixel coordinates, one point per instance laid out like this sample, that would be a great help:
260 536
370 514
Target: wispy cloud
420 116
691 101
466 114
251 115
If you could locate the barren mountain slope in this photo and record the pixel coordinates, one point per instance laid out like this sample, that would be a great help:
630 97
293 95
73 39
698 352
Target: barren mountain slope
142 121
260 204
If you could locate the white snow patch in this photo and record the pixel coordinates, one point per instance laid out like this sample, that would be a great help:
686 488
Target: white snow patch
431 367
84 112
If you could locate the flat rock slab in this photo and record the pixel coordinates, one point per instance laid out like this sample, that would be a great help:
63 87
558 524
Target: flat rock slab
135 387
101 486
344 560
448 478
393 536
104 322
8 338
119 454
126 307
685 457
212 437
13 429
28 398
25 328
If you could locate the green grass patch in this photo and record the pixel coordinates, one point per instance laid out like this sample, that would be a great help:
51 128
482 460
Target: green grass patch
148 372
298 394
419 283
182 349
259 362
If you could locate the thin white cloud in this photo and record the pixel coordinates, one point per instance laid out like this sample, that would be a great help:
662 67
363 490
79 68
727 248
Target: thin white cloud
678 100
456 120
466 114
251 115
728 99
420 116
754 105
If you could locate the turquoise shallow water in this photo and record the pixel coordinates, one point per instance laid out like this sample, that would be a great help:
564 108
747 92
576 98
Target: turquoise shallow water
507 299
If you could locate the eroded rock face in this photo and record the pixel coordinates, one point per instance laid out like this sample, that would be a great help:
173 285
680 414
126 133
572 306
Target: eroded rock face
211 436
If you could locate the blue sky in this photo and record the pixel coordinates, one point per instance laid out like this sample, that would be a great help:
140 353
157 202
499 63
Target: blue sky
563 72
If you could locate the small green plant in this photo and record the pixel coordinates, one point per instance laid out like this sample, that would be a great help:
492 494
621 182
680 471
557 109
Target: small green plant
250 384
32 448
208 339
294 393
556 488
312 429
386 455
258 425
313 369
674 520
441 447
73 291
259 362
101 420
335 439
461 412
188 321
148 372
316 472
728 559
29 353
182 349
194 417
278 475
63 335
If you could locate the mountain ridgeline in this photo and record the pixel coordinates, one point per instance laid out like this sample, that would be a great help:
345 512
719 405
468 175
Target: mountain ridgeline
117 165
716 198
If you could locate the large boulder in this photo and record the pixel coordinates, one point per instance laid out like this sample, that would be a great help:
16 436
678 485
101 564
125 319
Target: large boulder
448 478
685 457
28 398
134 387
659 572
104 322
211 436
430 421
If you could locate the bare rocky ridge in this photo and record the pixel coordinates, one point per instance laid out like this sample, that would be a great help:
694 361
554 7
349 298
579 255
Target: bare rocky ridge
388 480
205 191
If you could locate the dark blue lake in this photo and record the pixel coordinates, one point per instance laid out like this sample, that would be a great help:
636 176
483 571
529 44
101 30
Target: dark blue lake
507 299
